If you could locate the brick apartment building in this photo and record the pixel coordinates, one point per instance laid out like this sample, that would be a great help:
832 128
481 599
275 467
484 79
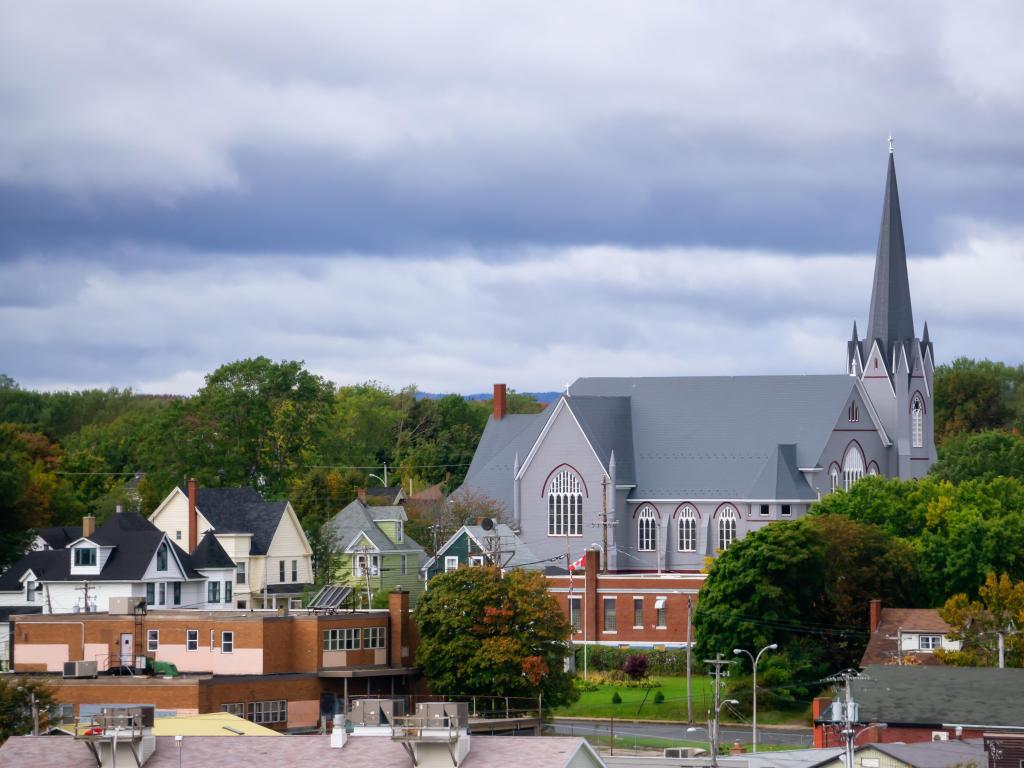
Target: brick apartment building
639 610
281 670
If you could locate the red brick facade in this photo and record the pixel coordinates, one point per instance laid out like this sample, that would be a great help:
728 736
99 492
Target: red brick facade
634 596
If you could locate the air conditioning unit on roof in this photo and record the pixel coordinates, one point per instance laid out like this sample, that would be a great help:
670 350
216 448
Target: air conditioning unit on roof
73 669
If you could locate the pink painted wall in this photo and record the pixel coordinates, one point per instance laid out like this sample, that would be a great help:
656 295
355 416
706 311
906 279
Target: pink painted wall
53 655
242 661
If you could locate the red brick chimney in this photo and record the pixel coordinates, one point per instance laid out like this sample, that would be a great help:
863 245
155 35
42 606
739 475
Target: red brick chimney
361 494
193 523
88 526
500 402
818 707
876 613
399 652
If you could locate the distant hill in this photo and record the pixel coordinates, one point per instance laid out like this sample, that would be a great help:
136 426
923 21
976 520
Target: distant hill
542 397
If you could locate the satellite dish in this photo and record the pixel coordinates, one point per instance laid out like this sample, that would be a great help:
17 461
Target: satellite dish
487 524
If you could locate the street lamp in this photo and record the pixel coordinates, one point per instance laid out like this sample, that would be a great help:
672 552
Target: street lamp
754 659
694 729
714 743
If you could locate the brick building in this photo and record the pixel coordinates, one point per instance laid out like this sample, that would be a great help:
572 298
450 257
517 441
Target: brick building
627 609
281 670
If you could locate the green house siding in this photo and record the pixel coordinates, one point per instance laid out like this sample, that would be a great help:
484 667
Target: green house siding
388 577
390 529
463 548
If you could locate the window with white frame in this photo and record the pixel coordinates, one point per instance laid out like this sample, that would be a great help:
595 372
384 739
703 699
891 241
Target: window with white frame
341 639
399 532
295 570
786 510
227 642
240 573
610 620
191 639
235 708
213 591
476 561
268 711
363 564
834 474
565 505
405 565
646 530
917 422
152 639
765 509
85 556
161 557
162 592
853 466
661 612
726 527
451 563
929 642
373 637
575 614
687 529
30 591
638 613
280 571
872 469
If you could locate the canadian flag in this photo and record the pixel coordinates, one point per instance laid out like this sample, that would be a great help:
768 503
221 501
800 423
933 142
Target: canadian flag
578 563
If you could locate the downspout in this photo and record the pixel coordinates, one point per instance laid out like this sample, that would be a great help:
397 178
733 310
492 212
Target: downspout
612 475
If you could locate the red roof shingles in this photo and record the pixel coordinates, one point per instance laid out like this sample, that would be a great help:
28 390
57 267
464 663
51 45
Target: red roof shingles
882 649
257 752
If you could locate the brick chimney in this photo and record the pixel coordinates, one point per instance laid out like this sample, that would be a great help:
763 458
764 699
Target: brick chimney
500 402
399 652
88 526
818 706
193 523
361 494
876 613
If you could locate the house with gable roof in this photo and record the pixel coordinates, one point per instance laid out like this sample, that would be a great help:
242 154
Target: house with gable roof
667 471
272 557
371 551
127 556
475 546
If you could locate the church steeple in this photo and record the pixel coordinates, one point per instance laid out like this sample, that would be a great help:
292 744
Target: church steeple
890 319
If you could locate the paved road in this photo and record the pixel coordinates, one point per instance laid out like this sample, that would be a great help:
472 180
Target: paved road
795 737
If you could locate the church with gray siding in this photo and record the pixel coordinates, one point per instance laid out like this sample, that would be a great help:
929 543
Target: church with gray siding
671 470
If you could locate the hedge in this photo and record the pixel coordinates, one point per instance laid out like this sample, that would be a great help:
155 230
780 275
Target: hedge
604 658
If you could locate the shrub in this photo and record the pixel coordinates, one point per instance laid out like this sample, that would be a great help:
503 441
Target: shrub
616 699
582 685
659 697
635 666
608 659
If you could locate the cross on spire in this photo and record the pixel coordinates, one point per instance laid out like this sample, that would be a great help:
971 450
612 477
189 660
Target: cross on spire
892 143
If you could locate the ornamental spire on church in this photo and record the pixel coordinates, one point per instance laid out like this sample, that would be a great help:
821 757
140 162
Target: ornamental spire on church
890 319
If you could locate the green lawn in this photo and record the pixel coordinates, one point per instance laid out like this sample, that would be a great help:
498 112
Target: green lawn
598 704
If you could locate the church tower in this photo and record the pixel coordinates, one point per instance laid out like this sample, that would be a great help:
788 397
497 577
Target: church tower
895 366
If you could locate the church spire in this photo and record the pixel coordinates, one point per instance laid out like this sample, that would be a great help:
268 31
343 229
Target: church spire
890 319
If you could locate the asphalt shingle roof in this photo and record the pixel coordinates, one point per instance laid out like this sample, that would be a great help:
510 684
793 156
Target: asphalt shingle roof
685 437
241 510
881 648
210 554
60 536
938 695
356 519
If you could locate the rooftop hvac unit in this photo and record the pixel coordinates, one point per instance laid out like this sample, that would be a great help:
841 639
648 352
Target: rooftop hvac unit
126 606
79 669
940 736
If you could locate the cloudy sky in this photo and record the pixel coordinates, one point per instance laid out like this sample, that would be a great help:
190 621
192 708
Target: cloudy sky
453 194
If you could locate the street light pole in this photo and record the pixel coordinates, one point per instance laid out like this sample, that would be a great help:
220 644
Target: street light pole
754 659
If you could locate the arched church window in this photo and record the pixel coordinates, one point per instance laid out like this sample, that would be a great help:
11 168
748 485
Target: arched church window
853 465
646 530
834 473
726 527
565 505
853 412
687 529
917 421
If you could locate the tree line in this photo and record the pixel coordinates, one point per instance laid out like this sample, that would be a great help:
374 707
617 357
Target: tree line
271 425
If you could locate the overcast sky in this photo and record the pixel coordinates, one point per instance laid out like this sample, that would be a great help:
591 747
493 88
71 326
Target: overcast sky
454 194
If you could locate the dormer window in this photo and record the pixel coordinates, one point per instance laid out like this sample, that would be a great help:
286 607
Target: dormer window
161 558
853 413
85 556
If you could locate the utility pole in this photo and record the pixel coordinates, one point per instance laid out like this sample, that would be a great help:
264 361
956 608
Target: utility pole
850 711
35 714
718 663
689 655
85 598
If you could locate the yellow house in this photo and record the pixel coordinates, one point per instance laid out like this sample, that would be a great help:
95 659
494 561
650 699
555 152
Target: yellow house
264 539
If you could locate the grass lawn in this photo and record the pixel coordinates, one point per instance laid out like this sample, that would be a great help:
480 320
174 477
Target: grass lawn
598 704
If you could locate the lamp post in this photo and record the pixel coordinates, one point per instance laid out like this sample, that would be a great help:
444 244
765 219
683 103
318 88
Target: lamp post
754 659
714 730
694 729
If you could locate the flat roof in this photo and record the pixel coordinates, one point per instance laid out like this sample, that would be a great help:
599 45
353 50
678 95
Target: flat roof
367 672
202 615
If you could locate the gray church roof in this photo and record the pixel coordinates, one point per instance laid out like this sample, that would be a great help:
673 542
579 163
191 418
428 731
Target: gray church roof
712 437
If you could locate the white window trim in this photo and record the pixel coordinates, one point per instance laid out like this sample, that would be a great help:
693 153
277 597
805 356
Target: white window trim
565 504
196 633
223 636
917 422
604 615
451 563
647 529
661 605
728 523
152 640
689 515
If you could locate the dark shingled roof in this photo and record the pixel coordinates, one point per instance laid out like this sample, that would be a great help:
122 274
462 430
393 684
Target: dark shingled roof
134 540
936 696
61 536
210 554
241 510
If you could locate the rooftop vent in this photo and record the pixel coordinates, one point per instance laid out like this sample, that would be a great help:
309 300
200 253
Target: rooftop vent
118 736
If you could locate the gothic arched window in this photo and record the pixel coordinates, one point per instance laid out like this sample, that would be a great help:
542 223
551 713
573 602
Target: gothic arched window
726 527
917 422
565 505
687 529
646 530
834 474
853 465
